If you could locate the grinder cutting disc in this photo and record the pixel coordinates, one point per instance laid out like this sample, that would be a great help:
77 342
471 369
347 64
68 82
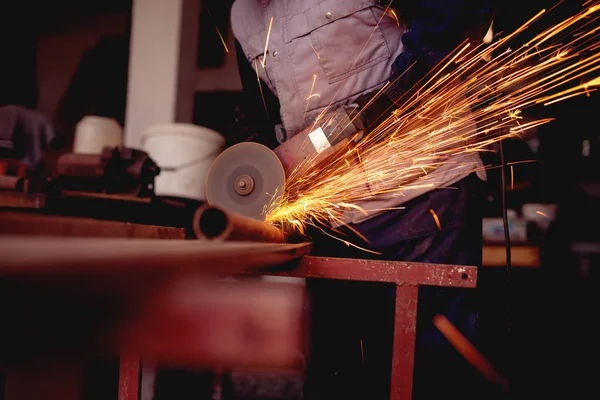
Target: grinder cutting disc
244 179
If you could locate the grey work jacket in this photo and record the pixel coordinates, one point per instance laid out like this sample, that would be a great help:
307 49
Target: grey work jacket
346 47
325 53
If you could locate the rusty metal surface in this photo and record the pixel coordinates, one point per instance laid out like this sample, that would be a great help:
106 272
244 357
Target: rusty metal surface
129 377
401 273
405 328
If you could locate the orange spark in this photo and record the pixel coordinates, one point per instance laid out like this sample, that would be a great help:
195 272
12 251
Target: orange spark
310 95
222 40
395 16
262 95
467 350
267 42
218 32
436 219
462 107
512 178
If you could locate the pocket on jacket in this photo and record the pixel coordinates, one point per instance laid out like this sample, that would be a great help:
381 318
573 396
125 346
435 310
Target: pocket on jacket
346 39
350 45
254 47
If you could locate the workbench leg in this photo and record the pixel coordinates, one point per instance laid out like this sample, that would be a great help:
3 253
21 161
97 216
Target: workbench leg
405 327
129 377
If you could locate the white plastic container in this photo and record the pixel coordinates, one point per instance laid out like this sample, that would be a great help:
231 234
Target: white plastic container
541 214
185 153
93 133
493 230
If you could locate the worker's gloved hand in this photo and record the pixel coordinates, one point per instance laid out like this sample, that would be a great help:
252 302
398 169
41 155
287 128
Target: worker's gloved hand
334 126
326 138
25 134
345 122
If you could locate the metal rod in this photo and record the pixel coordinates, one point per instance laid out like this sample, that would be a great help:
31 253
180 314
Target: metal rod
468 351
37 257
214 223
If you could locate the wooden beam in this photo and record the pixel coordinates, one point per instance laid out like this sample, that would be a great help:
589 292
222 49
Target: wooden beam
23 223
31 257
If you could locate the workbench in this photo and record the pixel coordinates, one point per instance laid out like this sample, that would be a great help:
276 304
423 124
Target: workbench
282 261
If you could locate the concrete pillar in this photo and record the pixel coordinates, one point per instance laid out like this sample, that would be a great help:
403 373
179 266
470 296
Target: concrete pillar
162 65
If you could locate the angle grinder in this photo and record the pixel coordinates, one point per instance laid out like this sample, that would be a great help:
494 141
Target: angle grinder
248 177
245 178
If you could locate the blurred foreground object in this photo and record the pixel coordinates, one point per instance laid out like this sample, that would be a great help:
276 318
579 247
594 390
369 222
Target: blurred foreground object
93 297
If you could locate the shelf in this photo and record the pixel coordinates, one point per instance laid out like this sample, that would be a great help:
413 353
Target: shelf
521 256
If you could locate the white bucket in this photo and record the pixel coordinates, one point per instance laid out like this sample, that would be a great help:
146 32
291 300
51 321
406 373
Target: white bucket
541 214
93 133
185 153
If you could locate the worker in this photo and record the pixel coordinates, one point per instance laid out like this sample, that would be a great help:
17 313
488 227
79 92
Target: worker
346 51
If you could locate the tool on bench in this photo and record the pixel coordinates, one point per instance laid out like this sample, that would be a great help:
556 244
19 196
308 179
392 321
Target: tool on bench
122 171
247 177
116 171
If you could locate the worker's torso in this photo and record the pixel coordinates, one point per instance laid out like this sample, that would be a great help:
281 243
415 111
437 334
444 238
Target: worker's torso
326 53
320 53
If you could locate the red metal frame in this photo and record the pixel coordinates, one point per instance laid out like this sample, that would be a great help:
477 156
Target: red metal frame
405 327
129 377
407 277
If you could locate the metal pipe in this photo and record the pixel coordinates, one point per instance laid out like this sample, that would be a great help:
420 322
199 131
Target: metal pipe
214 223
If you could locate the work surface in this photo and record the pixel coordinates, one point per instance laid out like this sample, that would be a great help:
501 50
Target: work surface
164 299
34 257
25 255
